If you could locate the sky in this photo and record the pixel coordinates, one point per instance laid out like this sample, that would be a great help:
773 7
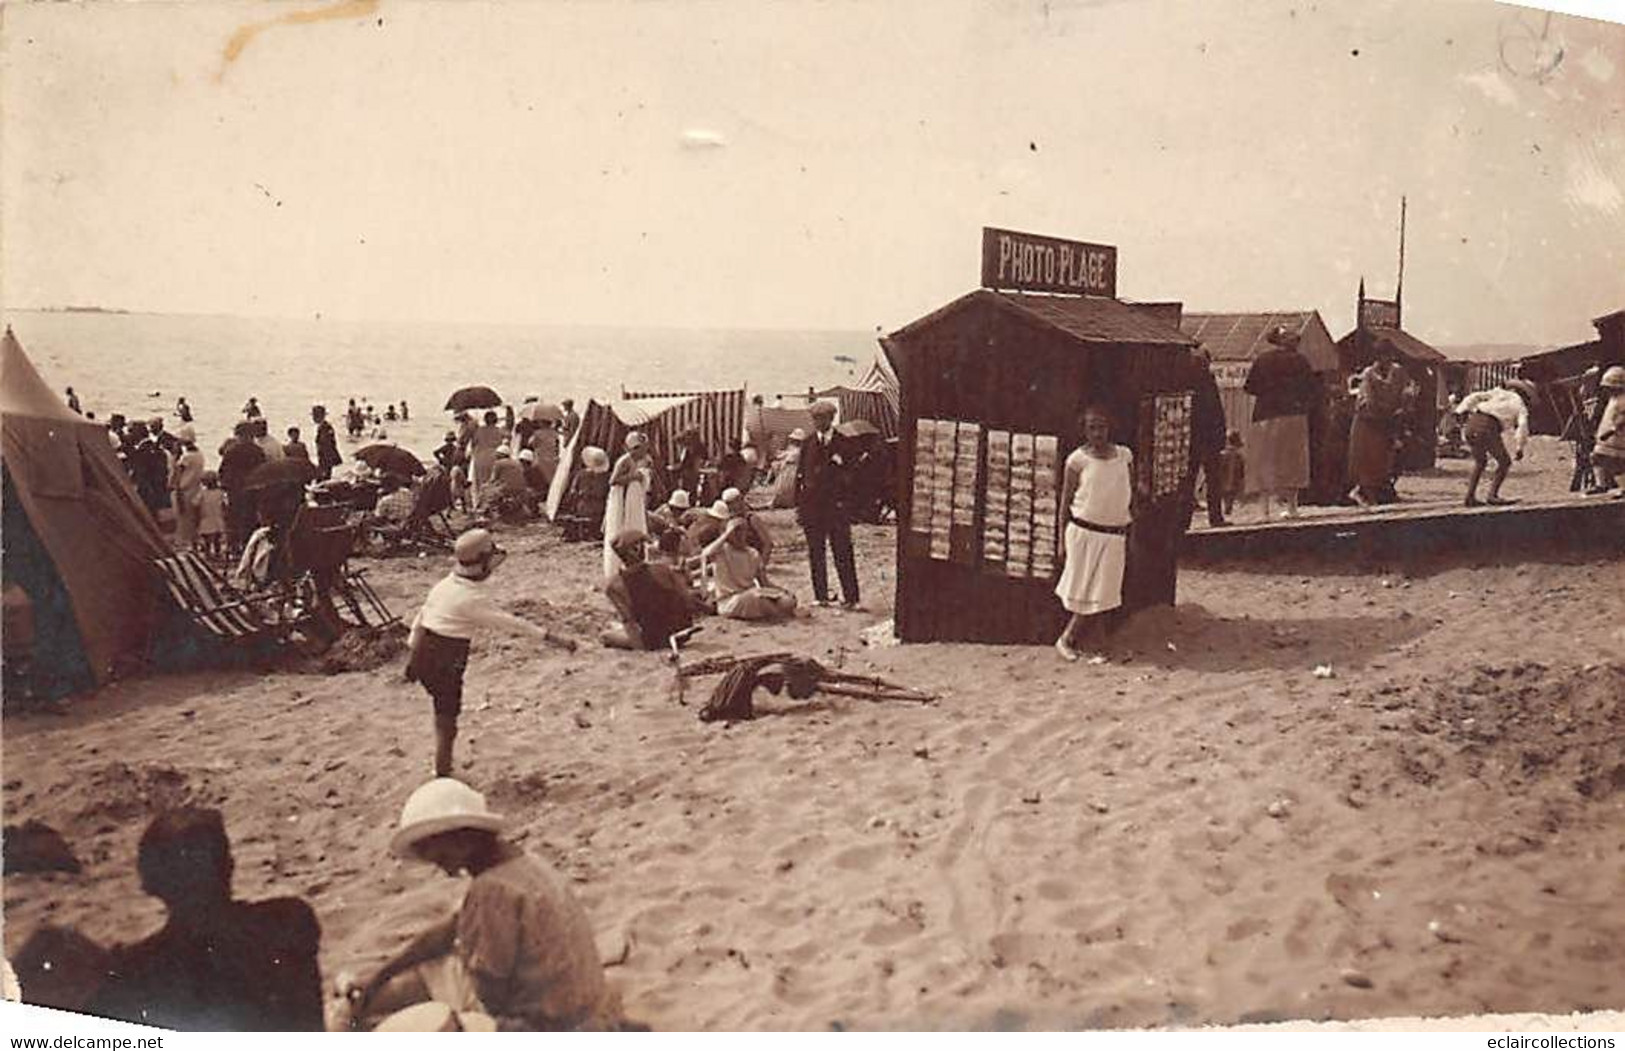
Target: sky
732 163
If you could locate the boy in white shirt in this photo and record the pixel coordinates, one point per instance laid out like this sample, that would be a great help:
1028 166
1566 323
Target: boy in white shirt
455 608
1489 414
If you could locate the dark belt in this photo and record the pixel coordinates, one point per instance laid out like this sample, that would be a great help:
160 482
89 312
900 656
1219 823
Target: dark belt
1094 527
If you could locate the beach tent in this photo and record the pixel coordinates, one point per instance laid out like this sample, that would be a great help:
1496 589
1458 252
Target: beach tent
873 398
78 541
771 425
719 415
661 418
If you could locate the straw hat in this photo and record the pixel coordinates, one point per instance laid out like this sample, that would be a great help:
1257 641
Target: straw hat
721 510
730 495
527 456
477 553
680 499
503 450
595 459
1613 377
444 804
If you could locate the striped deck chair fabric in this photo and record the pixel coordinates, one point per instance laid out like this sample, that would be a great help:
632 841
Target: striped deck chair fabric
201 593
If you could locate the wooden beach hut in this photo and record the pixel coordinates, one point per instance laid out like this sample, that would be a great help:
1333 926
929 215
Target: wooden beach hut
1378 328
992 388
1234 341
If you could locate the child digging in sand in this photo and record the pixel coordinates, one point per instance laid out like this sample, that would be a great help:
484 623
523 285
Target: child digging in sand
455 608
1098 497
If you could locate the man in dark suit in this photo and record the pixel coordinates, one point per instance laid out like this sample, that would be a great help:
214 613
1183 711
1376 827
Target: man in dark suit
822 506
1207 439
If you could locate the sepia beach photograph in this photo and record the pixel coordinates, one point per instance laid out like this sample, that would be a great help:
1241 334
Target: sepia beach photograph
696 515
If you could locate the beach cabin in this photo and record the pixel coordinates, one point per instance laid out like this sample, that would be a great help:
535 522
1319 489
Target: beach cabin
992 389
1378 327
1234 341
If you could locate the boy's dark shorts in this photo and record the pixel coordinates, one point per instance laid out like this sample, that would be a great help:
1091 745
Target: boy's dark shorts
1483 434
438 665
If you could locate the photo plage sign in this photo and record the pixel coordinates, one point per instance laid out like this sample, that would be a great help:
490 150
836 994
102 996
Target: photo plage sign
1018 262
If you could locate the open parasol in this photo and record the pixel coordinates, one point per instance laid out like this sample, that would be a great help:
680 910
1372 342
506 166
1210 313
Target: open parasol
288 471
542 411
857 428
473 398
390 459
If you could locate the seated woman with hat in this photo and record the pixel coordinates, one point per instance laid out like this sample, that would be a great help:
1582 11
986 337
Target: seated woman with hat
742 588
519 953
653 599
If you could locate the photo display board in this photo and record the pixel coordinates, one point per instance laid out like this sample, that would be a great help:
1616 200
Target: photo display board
986 497
1165 434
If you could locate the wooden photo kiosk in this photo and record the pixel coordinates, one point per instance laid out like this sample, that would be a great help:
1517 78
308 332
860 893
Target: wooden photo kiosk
993 388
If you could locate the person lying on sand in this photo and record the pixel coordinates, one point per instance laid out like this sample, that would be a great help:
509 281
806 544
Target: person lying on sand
520 949
456 607
217 963
653 599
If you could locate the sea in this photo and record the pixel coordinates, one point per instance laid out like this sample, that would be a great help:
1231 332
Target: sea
139 364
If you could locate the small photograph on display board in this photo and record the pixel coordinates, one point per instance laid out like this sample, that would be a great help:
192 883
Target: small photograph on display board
1019 558
925 445
996 505
1046 453
1165 435
967 485
942 489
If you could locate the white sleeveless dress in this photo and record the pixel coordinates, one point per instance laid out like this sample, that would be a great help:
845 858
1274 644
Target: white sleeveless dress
1092 579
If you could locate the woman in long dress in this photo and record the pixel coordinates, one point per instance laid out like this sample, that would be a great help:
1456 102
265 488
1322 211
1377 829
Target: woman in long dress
482 453
1376 420
1097 494
628 498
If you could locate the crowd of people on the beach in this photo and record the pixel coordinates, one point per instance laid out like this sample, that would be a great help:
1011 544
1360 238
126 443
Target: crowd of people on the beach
520 952
1378 419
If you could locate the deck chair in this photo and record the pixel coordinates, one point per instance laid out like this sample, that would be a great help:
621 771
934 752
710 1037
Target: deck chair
318 565
223 612
429 525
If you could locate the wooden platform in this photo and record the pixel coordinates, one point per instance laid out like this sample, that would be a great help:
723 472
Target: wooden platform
1572 524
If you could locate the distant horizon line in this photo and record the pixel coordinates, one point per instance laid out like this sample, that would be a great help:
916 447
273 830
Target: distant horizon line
657 327
343 319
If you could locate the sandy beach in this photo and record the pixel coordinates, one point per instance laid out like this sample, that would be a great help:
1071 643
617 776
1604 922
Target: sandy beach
1202 831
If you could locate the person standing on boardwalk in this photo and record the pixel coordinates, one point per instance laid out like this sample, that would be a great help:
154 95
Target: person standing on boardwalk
1377 406
1283 386
821 507
458 606
1207 440
1489 415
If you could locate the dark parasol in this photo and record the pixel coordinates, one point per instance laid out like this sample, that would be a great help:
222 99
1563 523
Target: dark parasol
391 459
473 398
